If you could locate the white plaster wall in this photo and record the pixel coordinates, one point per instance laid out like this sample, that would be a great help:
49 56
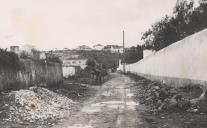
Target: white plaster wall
147 53
68 71
98 47
184 59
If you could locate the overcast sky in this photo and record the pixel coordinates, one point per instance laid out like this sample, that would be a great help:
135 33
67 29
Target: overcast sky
68 23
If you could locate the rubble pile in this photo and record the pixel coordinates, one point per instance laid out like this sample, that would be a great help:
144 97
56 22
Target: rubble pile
37 104
157 97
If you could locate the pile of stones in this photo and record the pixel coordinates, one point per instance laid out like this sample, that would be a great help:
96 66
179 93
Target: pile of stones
37 104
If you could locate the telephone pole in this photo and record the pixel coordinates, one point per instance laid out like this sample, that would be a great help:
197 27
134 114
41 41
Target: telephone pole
123 54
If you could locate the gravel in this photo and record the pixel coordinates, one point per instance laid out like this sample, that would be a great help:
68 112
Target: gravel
161 97
37 104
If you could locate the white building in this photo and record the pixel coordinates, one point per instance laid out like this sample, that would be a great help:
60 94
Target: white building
81 62
27 48
84 47
114 48
98 47
68 71
69 66
15 49
71 61
42 55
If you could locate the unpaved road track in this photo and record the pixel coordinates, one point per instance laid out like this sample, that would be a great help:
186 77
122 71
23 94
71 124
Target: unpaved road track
112 107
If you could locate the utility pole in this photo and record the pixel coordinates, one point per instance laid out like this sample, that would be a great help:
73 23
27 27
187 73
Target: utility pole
123 54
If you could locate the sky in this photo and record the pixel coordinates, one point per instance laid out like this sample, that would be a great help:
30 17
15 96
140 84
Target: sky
50 24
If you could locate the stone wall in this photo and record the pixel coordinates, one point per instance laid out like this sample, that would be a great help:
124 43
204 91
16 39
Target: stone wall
40 73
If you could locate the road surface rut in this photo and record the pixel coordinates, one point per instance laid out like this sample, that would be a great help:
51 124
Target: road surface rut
112 107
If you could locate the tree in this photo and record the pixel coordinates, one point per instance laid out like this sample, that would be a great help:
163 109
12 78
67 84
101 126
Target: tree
183 11
91 64
172 28
162 34
148 37
201 14
133 54
9 61
24 55
106 59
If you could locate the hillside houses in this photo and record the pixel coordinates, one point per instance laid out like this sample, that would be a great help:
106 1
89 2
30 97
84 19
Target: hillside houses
28 51
113 48
84 47
15 49
72 65
71 61
27 48
98 47
75 62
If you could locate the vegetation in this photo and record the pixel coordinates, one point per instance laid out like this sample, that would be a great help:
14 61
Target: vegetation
35 55
24 55
9 60
100 62
105 59
90 64
97 65
186 20
133 54
53 59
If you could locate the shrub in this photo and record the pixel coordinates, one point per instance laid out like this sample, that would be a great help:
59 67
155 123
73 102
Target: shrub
54 59
24 55
9 60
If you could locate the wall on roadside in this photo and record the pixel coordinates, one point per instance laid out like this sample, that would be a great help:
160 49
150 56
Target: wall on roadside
68 71
183 62
40 73
147 53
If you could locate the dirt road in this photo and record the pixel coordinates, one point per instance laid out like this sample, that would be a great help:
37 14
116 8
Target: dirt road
112 107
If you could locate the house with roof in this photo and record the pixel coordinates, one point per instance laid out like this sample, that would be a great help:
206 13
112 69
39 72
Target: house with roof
15 49
28 48
113 48
71 61
72 65
98 47
75 62
84 47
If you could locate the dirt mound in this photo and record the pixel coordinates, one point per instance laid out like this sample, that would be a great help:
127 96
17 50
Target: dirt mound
37 104
158 96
